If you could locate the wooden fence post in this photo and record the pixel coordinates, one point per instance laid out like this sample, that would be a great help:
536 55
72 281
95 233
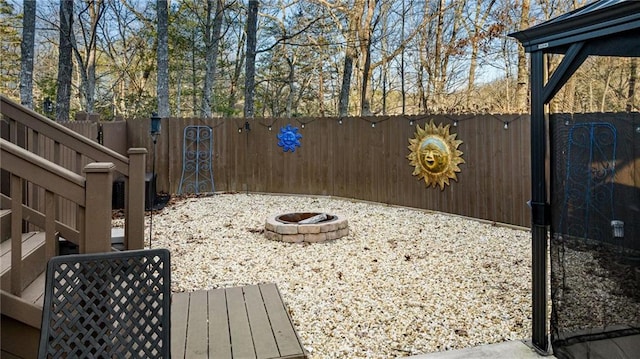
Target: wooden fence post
99 187
134 207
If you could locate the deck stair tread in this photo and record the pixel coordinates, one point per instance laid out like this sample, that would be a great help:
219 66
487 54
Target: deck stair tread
31 241
5 224
34 292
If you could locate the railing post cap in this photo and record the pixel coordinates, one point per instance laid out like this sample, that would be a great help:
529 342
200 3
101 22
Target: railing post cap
137 151
95 167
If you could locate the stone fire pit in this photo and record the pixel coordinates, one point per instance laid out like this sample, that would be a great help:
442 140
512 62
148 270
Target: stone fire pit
312 227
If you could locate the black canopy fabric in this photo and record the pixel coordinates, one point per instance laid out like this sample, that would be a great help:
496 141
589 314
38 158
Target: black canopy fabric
603 28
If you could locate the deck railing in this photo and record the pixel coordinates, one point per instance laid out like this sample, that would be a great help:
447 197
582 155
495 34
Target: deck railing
55 143
91 194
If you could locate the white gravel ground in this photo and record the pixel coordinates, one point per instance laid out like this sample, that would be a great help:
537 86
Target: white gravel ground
403 282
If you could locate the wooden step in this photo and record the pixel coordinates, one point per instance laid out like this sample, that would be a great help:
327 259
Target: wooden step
33 259
22 314
34 292
21 320
5 224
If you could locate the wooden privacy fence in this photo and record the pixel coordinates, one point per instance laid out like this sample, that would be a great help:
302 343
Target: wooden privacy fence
361 158
350 158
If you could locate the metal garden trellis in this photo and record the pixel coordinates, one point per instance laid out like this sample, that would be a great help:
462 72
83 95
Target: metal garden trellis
197 170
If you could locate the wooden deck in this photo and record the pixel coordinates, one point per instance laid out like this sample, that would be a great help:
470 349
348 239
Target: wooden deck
239 322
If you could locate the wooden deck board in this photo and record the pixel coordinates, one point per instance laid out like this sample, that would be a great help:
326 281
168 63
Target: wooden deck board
219 343
240 331
179 316
239 322
285 335
197 338
263 339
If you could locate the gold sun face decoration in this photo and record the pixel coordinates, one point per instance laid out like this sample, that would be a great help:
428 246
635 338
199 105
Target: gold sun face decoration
435 155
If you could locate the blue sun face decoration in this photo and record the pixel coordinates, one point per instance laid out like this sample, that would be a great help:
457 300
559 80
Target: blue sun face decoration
289 138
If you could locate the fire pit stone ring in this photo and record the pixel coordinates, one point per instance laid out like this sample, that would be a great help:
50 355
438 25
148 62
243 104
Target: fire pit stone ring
311 227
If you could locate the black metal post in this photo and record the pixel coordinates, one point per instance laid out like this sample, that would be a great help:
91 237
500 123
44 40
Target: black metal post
47 106
100 137
155 132
152 187
539 206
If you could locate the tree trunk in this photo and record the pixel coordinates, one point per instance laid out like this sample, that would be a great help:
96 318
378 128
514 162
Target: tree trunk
436 76
65 62
351 54
250 65
290 81
179 95
570 86
482 11
385 76
163 59
633 78
402 75
473 65
522 86
446 51
88 65
194 74
212 37
365 33
423 91
235 79
321 109
569 95
96 9
26 52
365 96
607 82
343 105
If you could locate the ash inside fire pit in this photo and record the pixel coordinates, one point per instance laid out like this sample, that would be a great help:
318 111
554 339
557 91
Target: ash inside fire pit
306 227
305 218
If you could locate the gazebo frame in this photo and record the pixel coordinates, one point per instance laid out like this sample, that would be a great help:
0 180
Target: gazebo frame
604 28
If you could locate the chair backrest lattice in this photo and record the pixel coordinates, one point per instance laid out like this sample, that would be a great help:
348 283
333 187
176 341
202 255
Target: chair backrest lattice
197 170
107 305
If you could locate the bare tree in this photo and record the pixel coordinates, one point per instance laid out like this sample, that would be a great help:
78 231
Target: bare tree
65 61
26 50
365 32
311 57
213 29
163 59
126 34
478 31
633 79
522 84
439 43
250 65
368 39
403 89
351 55
86 56
237 70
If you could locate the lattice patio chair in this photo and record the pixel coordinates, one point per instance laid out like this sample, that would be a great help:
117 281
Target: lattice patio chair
107 305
